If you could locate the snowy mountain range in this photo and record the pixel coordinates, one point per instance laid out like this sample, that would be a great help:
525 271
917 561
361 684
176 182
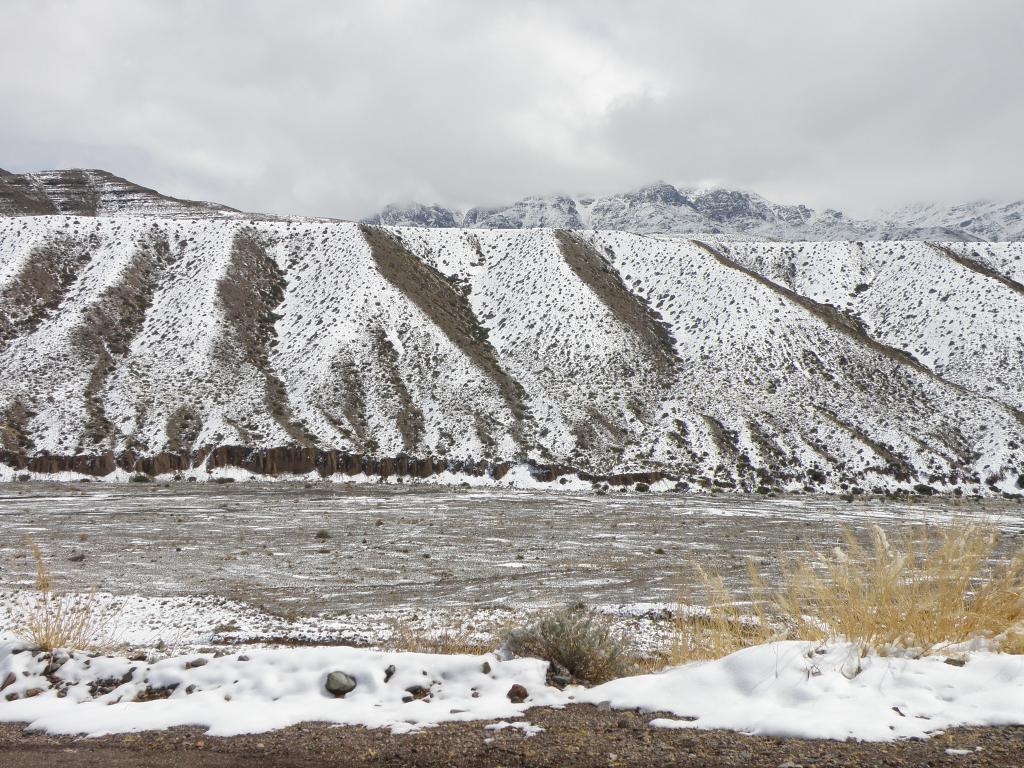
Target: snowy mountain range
658 208
663 208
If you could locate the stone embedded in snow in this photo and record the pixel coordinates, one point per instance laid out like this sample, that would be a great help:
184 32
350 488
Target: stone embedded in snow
517 694
339 683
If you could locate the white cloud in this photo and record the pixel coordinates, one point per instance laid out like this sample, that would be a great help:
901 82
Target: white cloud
330 108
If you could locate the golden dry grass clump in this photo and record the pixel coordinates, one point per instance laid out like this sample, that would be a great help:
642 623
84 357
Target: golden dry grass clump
465 638
935 587
53 620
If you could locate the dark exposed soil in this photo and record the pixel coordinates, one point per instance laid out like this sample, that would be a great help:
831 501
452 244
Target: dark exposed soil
250 291
629 309
575 736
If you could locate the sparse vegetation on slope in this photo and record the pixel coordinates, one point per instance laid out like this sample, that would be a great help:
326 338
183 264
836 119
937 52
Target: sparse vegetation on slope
289 347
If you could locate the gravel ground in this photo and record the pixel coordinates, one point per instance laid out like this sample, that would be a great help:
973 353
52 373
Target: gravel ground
575 736
390 547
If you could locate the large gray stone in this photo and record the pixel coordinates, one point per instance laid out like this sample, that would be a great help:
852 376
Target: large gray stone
338 683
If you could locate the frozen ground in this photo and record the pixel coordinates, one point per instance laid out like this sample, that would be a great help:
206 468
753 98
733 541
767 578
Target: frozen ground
203 563
221 572
787 689
390 547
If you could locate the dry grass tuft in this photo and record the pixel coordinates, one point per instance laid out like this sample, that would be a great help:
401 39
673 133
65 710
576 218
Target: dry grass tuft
934 588
53 620
447 640
726 624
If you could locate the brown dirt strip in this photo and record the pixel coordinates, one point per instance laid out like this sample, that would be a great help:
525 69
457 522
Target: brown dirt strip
850 326
629 310
980 268
575 736
447 308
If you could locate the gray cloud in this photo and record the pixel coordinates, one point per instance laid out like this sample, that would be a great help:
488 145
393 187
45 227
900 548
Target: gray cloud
327 108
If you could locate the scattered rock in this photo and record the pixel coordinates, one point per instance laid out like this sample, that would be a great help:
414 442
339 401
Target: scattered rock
558 675
517 694
389 673
338 684
956 662
415 692
9 680
76 557
486 668
200 662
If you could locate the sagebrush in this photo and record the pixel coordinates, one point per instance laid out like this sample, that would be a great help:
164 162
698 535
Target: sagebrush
577 638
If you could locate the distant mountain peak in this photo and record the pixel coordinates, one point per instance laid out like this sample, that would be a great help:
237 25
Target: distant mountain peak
662 207
93 192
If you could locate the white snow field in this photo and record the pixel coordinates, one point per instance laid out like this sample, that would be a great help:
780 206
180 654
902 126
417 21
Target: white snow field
191 347
786 689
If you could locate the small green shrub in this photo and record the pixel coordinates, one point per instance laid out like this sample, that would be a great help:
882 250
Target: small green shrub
577 638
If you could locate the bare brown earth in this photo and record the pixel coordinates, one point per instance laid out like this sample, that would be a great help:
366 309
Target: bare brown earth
575 736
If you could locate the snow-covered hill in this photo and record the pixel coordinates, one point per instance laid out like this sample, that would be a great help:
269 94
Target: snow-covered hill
92 193
663 208
177 345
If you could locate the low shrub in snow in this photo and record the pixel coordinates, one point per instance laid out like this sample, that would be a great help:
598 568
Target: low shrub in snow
577 638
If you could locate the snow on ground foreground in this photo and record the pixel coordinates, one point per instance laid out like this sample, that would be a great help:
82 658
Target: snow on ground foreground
799 689
788 689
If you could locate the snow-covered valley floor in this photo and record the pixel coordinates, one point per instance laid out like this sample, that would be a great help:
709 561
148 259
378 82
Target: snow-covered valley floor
275 586
790 689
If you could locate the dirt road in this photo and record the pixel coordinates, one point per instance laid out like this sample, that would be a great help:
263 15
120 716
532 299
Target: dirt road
576 736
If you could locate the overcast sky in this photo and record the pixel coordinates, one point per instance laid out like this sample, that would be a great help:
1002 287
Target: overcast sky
335 108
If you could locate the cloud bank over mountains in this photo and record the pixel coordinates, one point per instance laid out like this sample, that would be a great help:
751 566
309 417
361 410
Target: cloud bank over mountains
321 109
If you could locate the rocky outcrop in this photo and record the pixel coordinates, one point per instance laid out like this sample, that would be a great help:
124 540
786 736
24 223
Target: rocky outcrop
296 460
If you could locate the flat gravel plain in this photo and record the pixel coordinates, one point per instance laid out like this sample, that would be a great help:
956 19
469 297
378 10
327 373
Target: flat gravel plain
337 548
